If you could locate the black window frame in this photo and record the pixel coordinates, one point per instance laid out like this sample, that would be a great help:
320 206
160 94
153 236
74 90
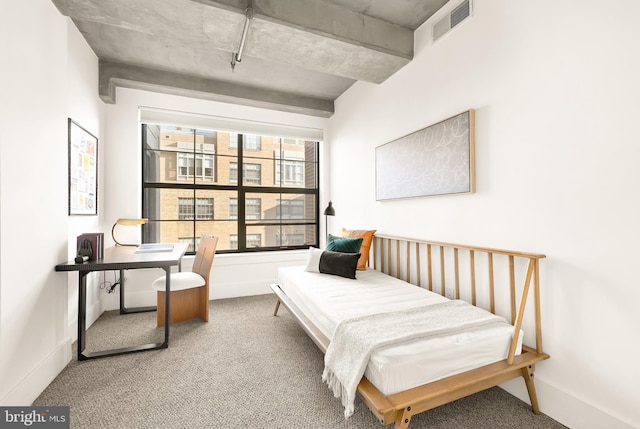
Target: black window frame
242 191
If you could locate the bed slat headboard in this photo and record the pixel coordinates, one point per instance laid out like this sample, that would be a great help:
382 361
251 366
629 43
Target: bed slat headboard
491 274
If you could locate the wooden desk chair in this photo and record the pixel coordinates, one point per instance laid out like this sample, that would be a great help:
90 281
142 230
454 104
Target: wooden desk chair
189 290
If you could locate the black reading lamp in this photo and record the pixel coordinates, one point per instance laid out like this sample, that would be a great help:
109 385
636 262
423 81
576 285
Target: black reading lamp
329 211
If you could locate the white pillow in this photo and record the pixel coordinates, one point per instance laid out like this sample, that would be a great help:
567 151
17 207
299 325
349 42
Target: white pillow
313 262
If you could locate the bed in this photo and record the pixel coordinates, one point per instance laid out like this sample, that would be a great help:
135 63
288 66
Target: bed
419 372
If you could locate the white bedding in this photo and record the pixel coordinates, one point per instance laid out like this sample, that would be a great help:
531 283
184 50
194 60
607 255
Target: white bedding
327 299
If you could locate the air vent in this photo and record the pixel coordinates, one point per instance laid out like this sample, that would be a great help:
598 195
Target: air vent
457 15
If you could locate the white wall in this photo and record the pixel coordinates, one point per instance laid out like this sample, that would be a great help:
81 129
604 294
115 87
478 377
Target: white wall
48 74
555 89
232 275
34 344
85 108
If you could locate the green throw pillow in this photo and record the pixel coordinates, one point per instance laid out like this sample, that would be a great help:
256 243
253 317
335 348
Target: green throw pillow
344 245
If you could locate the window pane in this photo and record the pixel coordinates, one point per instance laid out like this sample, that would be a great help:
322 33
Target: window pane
167 204
285 162
276 207
205 151
179 167
186 231
284 235
167 231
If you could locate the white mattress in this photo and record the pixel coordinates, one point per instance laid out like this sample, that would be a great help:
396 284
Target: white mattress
327 299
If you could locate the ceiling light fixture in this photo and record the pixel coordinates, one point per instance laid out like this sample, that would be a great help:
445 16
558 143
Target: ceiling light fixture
236 57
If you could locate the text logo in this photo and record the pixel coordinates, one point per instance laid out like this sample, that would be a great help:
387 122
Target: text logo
34 417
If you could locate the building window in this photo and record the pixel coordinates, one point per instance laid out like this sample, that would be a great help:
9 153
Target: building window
252 173
290 172
253 240
203 208
233 140
251 141
190 165
186 209
254 192
253 208
233 208
291 209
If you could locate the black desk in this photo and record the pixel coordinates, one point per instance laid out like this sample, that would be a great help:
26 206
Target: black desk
123 258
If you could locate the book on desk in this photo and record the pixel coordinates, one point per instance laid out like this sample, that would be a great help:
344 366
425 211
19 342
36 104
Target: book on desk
97 244
154 247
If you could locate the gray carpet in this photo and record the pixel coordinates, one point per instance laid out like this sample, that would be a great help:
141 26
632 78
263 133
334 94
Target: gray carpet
243 369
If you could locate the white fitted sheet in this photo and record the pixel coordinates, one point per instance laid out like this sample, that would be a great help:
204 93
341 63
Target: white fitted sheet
327 299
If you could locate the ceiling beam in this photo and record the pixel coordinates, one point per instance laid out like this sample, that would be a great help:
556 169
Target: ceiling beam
112 75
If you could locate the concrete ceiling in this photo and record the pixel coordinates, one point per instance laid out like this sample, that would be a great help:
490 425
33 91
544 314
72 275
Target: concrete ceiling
299 55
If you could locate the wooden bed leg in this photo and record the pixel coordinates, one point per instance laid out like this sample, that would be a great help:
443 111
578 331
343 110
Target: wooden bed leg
527 374
275 312
404 418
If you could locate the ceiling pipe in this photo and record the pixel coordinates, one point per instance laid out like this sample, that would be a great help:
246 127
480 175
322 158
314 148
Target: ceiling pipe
236 57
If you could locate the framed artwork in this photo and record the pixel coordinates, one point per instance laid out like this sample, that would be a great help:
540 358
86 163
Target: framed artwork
437 160
83 171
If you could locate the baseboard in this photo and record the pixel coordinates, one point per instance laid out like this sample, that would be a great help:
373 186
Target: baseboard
565 408
28 390
238 289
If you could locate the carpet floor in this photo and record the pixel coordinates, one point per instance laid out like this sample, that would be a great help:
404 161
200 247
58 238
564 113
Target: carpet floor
243 369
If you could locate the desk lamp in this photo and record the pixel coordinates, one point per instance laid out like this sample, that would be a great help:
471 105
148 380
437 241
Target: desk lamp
126 222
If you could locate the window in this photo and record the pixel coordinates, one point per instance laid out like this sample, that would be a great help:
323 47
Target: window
252 173
253 240
251 141
190 165
289 172
185 209
253 208
233 140
254 192
203 209
291 209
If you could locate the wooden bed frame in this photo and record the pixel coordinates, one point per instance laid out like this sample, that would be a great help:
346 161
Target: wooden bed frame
483 283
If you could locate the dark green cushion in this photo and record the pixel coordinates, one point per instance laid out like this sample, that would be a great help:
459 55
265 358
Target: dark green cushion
339 263
345 245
